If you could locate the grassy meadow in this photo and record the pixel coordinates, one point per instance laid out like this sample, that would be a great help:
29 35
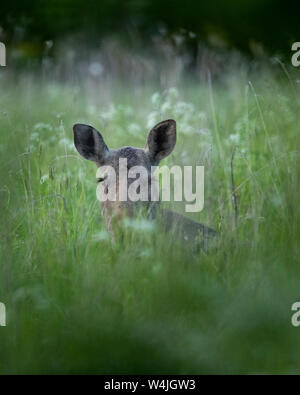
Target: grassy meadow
78 303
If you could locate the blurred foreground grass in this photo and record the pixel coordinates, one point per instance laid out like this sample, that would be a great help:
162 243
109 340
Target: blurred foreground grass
76 303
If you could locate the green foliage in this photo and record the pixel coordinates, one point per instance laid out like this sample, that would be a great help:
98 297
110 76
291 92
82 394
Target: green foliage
78 303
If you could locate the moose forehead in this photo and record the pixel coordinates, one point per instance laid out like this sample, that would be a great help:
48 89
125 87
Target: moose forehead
134 157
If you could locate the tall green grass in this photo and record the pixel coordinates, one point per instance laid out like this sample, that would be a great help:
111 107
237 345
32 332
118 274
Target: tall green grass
78 303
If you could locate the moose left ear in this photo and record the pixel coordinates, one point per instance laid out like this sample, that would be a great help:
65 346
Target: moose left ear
89 143
161 140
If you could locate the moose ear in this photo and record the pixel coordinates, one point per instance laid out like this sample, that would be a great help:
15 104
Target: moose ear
89 143
161 140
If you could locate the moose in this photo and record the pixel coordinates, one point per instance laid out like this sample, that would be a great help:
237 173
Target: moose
160 143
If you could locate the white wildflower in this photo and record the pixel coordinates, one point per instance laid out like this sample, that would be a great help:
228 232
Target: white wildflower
96 69
101 236
187 129
152 119
139 224
156 99
43 126
166 107
204 132
67 143
202 116
34 136
173 93
44 178
146 253
110 113
235 138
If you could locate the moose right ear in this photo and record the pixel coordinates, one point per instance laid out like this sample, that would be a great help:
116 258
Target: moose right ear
89 143
161 140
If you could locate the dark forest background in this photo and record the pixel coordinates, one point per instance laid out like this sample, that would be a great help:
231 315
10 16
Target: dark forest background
252 26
